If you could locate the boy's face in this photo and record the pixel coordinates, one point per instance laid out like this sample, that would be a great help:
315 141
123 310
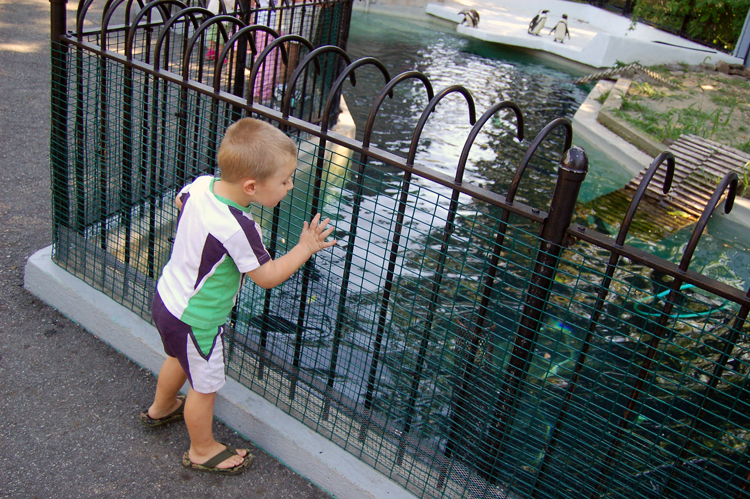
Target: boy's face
272 190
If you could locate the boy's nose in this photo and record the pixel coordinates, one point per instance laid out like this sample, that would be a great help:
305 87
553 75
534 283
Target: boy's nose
291 185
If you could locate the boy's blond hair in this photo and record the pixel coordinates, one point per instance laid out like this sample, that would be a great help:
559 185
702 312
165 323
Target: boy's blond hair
253 149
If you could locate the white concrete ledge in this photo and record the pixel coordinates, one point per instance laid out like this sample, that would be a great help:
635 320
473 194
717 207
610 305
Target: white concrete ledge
598 38
739 215
307 453
585 124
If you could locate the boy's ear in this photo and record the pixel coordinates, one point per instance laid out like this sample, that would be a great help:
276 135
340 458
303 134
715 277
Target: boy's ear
249 186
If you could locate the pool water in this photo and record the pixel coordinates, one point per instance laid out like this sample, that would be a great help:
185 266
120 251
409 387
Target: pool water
492 73
543 89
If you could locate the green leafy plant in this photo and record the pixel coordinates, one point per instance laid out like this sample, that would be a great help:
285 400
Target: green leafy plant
737 83
674 122
724 100
647 90
718 22
744 178
603 97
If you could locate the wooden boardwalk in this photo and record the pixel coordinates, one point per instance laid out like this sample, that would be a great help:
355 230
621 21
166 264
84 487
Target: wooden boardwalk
699 166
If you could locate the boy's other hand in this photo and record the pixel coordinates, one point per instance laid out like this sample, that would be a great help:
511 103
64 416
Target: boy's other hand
312 240
314 235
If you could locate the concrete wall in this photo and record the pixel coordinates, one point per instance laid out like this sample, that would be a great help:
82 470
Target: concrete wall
598 39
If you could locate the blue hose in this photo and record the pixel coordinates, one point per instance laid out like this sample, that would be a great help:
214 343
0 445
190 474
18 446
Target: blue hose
641 303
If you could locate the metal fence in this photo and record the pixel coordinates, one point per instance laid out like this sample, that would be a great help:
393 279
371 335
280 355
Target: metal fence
462 343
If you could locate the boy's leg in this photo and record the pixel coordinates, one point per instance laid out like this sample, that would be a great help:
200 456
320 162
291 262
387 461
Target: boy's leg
171 378
199 416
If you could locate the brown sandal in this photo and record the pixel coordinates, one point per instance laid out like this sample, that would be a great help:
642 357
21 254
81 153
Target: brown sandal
210 466
175 415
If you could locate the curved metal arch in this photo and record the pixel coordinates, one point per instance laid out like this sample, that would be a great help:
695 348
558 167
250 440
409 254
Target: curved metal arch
478 127
218 20
312 56
730 182
109 10
639 193
356 206
129 7
168 26
279 41
433 299
431 107
252 29
154 3
222 7
203 4
388 91
364 61
230 43
564 122
107 7
83 8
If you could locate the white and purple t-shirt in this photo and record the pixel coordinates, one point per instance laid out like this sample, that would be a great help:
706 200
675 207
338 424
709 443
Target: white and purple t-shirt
216 243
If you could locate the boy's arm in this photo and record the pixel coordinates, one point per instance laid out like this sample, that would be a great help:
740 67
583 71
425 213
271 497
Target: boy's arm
312 240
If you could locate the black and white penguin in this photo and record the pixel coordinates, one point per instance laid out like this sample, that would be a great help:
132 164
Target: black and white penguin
471 17
536 24
561 29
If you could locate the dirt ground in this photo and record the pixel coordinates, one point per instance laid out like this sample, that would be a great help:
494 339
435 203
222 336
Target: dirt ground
710 104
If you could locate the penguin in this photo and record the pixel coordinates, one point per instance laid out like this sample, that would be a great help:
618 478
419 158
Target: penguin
536 24
471 17
561 29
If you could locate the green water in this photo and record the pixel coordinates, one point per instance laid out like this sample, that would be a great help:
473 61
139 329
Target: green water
492 73
543 90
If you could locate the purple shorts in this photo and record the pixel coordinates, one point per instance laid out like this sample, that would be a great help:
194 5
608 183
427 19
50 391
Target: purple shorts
204 367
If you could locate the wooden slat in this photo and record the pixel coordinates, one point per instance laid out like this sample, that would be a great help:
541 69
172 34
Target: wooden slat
699 165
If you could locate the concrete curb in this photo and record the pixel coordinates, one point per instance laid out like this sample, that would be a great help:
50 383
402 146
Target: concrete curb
585 125
598 38
609 119
307 453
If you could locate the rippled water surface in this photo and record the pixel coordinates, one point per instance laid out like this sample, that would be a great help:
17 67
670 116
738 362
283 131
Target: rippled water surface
492 74
543 89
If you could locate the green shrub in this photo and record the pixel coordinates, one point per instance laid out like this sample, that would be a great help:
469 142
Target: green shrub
718 22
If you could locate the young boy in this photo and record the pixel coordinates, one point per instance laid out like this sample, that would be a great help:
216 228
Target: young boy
217 242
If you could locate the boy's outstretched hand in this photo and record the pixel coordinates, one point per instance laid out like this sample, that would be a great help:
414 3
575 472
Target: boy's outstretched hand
312 240
314 235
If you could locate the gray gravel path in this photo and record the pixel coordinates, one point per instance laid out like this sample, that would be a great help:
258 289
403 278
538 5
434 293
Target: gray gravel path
69 403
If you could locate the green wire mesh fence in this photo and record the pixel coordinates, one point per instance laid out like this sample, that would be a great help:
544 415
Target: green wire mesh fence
461 343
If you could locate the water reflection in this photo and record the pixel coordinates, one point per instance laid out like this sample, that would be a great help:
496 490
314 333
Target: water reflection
492 75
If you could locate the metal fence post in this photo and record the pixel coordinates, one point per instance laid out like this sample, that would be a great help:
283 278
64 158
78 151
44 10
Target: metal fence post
59 125
571 173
